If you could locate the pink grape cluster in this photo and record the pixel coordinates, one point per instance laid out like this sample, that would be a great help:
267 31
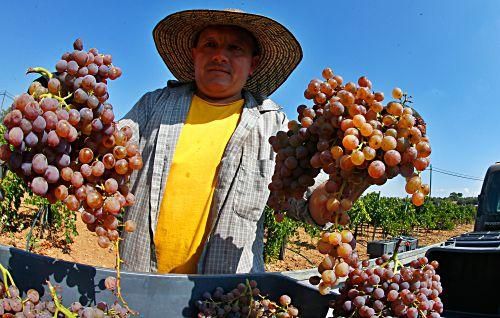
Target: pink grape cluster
63 141
356 138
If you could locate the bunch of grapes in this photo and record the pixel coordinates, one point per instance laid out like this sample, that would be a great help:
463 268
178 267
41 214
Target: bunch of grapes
383 291
339 248
354 138
63 141
244 301
32 306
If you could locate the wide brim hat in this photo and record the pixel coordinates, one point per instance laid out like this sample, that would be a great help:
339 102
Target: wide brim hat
279 50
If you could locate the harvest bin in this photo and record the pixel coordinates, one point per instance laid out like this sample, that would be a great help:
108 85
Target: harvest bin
150 294
470 279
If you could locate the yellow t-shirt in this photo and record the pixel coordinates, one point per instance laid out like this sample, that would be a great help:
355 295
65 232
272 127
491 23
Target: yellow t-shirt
183 222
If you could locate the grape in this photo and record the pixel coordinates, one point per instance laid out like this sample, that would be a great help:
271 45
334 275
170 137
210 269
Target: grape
86 170
39 124
88 218
31 140
52 139
39 186
111 205
98 168
110 222
121 166
16 136
86 115
94 199
51 174
109 161
397 93
111 186
61 66
103 241
85 155
130 226
39 163
49 104
110 283
66 174
135 162
77 179
376 169
50 120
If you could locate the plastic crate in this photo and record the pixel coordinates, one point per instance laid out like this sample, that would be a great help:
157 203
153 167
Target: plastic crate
410 243
379 248
150 294
470 278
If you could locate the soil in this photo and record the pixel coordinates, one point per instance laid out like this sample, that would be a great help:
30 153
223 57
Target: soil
84 248
301 251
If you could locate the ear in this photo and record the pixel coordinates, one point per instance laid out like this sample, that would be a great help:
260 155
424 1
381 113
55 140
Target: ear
254 64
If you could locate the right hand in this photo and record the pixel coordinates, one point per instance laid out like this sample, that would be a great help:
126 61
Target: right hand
317 207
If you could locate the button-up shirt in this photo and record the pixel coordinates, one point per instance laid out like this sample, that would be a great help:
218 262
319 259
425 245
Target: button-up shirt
235 243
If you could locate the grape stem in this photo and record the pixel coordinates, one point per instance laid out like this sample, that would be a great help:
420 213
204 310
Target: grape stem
6 274
339 193
59 307
249 290
394 258
118 278
40 70
59 99
361 144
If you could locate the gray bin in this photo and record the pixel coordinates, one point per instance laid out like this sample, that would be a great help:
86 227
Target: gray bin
470 280
150 294
410 243
379 248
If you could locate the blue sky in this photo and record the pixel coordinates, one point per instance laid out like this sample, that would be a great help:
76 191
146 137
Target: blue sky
444 53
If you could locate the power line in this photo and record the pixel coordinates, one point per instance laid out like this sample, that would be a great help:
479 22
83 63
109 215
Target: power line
6 93
3 95
457 175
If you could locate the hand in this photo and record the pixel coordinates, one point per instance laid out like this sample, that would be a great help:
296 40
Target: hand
317 206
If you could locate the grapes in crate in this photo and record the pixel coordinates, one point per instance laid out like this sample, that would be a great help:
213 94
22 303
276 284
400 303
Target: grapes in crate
62 139
386 291
244 301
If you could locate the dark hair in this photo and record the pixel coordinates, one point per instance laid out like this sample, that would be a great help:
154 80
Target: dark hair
255 43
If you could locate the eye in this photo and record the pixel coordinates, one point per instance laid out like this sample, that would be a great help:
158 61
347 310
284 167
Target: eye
210 44
234 47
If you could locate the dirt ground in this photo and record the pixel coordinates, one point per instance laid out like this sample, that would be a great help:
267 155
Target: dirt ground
83 250
301 252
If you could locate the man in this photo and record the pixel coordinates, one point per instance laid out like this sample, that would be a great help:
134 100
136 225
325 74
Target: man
204 141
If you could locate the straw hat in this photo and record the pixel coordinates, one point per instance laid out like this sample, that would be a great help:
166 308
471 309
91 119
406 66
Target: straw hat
280 52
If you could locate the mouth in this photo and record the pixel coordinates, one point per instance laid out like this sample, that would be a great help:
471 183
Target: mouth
218 70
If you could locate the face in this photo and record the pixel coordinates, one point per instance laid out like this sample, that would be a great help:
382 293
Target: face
223 60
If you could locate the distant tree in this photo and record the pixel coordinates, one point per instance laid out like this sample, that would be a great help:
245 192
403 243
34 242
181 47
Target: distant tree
455 196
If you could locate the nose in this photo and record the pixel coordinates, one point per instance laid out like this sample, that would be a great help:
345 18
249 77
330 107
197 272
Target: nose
220 55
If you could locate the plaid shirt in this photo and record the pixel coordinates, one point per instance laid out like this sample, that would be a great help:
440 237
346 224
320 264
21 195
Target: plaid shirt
236 242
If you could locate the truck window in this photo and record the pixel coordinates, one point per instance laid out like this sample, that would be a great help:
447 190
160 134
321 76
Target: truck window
493 193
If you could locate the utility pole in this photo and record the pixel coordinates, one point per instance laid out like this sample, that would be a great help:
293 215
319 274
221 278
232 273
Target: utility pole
430 182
